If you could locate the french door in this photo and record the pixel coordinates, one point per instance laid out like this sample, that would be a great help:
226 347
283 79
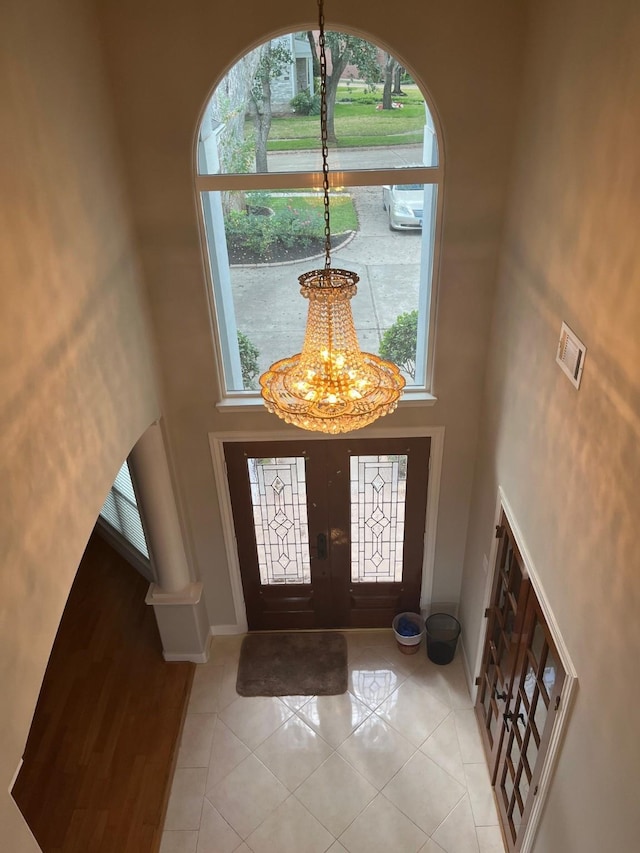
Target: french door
330 533
504 630
520 685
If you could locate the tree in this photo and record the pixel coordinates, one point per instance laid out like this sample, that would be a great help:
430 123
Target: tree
390 65
314 56
397 80
274 58
399 342
347 50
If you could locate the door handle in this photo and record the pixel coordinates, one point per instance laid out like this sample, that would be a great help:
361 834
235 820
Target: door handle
321 546
509 716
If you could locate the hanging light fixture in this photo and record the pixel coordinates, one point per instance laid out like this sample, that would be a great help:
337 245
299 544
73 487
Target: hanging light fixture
331 386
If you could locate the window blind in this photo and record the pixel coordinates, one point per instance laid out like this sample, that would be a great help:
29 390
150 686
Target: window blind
120 510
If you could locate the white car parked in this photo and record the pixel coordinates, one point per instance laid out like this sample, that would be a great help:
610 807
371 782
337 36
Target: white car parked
404 203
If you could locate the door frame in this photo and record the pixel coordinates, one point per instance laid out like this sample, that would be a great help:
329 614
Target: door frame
569 688
218 439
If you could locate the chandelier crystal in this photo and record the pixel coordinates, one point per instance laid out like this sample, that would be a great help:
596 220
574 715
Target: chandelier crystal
331 386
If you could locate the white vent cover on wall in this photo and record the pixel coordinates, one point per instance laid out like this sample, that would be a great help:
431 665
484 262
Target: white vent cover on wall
571 355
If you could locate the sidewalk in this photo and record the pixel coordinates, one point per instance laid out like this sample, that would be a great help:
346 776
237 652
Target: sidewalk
271 312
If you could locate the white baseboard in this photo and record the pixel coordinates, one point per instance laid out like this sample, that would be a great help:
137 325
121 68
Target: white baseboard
222 630
199 657
468 674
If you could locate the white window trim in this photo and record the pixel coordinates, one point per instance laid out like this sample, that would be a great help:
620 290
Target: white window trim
418 395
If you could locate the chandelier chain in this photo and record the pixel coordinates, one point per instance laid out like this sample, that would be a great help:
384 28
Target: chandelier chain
324 135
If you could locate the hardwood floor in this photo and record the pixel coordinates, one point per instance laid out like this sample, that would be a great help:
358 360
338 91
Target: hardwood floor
99 758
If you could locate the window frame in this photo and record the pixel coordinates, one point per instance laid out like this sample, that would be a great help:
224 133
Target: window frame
243 400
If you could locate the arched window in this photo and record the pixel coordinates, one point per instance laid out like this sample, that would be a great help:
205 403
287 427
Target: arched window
259 185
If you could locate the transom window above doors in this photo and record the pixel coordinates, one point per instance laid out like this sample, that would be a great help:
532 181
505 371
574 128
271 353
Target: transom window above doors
260 205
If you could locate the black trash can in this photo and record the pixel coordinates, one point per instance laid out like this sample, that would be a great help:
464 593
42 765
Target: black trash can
442 638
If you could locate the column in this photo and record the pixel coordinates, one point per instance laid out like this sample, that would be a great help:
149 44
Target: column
176 598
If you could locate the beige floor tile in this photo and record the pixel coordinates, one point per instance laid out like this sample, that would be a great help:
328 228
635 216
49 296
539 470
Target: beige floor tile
207 682
226 649
413 711
481 795
334 717
381 656
290 829
431 847
469 737
216 836
185 801
335 794
381 827
460 698
254 719
372 677
424 792
376 750
490 839
181 841
421 747
457 833
197 738
443 748
434 679
247 795
227 692
227 752
358 640
293 752
295 702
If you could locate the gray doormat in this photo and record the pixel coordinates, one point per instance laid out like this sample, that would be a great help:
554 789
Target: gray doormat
293 664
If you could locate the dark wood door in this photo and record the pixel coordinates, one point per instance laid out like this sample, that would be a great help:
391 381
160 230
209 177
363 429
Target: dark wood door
528 724
520 683
504 631
330 533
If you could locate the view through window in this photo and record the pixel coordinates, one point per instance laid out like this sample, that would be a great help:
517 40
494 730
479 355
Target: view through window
259 182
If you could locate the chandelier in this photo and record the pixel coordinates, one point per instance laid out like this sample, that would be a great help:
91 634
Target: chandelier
331 386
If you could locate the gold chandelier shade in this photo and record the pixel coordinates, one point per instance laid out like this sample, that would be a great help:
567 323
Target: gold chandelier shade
331 386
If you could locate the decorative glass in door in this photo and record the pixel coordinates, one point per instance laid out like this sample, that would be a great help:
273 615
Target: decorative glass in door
329 533
279 504
378 495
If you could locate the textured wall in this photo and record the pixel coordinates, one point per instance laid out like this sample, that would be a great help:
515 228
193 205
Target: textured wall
75 370
569 461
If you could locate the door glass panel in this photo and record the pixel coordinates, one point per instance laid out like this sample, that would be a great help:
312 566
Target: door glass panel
538 642
516 817
532 754
279 502
378 490
508 787
523 787
540 715
550 672
495 724
530 683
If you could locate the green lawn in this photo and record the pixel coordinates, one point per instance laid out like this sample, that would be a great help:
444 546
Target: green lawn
358 123
343 213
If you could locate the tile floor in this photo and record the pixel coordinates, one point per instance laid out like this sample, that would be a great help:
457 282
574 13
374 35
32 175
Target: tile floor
396 764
